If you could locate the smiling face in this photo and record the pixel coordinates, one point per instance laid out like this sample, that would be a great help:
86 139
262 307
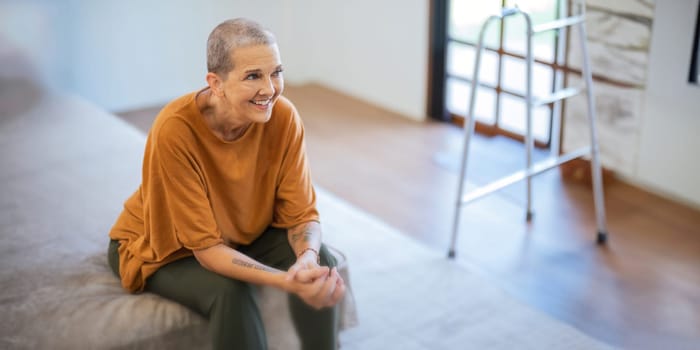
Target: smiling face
251 87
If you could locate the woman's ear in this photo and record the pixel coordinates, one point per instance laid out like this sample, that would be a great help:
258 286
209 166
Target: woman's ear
215 84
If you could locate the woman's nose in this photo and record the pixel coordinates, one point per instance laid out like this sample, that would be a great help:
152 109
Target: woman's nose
267 88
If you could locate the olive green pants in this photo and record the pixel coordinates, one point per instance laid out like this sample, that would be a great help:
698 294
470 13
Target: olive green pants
229 305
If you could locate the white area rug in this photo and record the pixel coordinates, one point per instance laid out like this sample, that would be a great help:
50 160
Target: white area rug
410 297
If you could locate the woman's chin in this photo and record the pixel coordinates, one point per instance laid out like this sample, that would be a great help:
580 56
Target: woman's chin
260 117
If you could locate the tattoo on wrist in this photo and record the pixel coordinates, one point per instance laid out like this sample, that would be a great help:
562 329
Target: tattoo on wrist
250 265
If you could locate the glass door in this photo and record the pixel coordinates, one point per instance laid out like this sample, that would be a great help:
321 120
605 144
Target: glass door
500 101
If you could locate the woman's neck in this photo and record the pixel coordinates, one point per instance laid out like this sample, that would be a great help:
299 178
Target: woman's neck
216 118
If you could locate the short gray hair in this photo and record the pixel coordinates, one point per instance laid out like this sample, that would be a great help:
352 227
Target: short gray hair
232 34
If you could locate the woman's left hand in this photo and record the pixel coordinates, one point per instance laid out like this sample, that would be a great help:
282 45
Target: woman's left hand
307 260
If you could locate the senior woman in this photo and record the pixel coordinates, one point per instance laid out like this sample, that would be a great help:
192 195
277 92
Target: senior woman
226 201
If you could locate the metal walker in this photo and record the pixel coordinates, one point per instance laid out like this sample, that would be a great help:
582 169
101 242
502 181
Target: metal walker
553 161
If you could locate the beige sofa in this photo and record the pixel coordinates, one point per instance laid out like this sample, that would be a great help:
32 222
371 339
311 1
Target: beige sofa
66 169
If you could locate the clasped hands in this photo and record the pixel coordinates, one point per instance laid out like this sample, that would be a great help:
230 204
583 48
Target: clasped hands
318 286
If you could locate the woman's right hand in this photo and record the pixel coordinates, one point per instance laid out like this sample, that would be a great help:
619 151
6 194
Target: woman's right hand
318 287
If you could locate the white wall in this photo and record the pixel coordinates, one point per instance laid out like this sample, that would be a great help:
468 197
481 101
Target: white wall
374 50
127 54
669 150
130 54
150 51
31 40
123 54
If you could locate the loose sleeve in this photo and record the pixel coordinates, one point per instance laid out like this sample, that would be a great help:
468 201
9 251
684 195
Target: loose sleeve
295 198
177 210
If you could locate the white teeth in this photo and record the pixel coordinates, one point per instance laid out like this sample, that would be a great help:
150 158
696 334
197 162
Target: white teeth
261 103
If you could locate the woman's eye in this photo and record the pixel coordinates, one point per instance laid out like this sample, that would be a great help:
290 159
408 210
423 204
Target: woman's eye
252 76
277 73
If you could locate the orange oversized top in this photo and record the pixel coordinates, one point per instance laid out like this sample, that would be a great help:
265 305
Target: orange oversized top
198 190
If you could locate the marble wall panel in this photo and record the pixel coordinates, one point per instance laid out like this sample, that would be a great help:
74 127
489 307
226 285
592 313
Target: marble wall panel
644 8
618 34
618 116
618 47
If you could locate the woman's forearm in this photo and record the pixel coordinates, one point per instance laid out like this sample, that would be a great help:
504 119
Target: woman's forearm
231 263
304 236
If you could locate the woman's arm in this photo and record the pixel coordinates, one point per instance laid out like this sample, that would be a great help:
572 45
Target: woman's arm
305 239
231 263
316 286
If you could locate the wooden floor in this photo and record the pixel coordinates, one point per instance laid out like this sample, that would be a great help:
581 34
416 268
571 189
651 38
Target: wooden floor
640 291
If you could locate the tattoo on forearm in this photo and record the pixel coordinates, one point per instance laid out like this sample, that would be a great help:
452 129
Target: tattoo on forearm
239 262
304 236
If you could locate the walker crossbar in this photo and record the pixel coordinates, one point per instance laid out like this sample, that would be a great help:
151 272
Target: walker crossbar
520 175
